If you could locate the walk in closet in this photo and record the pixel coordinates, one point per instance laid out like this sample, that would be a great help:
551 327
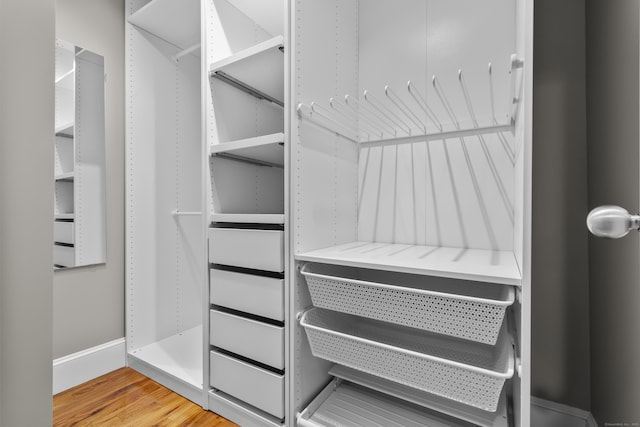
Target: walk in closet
329 208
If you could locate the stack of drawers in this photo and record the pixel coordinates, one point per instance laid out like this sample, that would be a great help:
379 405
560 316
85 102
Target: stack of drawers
247 314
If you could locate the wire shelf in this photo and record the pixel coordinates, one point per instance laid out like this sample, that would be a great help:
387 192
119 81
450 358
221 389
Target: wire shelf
477 317
465 372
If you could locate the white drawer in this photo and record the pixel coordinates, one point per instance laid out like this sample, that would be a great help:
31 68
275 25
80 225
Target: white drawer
256 386
64 232
258 341
257 249
64 255
262 296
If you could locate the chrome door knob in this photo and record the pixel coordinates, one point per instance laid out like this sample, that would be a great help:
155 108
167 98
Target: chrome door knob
611 222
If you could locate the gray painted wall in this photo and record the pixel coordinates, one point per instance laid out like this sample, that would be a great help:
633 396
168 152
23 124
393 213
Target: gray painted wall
560 312
26 206
88 302
614 267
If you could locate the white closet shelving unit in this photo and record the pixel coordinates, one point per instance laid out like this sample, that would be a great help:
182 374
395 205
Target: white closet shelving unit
79 231
248 214
366 182
165 242
411 142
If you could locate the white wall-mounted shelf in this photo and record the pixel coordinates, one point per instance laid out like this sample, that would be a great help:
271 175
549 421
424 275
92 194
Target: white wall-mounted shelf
176 22
266 149
65 130
479 265
66 80
258 70
268 14
65 176
248 218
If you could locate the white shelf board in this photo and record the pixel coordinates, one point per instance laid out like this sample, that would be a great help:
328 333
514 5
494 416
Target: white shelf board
178 355
66 80
65 176
260 66
268 14
174 21
249 218
350 405
479 265
64 216
65 129
266 148
427 400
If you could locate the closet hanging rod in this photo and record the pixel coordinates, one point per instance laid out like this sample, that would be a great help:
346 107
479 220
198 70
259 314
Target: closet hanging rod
238 84
248 160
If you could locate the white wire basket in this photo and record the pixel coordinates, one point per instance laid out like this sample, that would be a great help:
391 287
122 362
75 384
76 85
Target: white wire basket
466 310
463 371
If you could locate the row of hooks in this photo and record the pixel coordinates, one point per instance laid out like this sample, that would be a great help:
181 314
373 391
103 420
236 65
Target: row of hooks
372 120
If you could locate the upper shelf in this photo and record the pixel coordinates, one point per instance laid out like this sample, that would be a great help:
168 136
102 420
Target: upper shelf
68 176
266 150
258 70
174 21
478 265
268 14
65 130
248 218
65 81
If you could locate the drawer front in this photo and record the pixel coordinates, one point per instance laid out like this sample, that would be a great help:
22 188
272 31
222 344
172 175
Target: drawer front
64 255
256 386
64 232
258 341
257 249
262 296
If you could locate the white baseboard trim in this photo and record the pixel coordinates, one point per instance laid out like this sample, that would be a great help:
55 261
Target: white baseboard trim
545 413
77 368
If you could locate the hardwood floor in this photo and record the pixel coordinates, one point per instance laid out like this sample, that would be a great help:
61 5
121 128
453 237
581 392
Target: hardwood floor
127 398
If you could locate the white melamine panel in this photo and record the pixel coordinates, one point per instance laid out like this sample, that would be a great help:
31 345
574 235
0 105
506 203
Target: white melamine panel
249 338
256 386
268 14
255 249
259 295
64 232
90 168
456 263
64 256
64 197
64 155
266 148
175 21
260 67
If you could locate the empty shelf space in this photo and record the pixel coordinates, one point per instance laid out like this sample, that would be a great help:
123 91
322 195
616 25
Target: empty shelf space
68 176
268 14
350 405
178 355
258 70
65 129
427 400
248 218
464 371
479 265
267 150
174 21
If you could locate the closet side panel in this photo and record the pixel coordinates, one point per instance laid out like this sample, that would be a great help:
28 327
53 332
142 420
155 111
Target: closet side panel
190 239
152 233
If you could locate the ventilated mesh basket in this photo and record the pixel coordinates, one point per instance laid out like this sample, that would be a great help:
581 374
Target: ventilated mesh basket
467 317
463 371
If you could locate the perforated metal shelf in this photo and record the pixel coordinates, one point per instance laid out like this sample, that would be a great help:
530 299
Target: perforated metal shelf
463 371
465 310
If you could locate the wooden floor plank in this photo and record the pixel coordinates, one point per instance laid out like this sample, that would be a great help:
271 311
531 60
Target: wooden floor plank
127 398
